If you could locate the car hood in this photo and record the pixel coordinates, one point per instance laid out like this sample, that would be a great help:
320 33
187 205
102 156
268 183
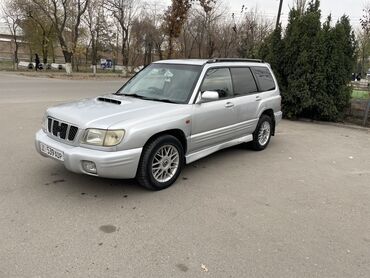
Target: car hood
105 111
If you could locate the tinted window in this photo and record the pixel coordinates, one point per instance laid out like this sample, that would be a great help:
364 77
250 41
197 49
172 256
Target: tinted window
264 78
218 80
243 81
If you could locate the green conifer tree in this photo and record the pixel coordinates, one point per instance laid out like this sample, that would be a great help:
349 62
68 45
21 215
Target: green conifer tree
313 64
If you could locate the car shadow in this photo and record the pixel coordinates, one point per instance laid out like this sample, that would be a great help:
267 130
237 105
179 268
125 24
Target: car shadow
90 186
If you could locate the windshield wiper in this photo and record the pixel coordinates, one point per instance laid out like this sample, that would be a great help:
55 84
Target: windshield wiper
133 95
149 98
164 100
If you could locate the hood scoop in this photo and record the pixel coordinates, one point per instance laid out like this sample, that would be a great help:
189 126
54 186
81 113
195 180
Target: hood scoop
110 100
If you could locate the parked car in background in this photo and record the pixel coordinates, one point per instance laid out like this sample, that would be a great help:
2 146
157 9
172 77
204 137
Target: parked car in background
368 74
171 113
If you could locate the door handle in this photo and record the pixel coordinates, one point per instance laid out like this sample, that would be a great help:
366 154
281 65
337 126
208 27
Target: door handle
258 98
229 105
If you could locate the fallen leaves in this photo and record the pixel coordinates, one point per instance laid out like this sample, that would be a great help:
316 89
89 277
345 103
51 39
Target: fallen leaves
204 268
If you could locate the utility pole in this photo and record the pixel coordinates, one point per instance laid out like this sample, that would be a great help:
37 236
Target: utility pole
279 13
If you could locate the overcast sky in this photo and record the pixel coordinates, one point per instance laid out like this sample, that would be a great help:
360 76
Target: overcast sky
269 8
352 8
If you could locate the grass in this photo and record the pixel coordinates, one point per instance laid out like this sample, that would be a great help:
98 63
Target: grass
360 94
6 65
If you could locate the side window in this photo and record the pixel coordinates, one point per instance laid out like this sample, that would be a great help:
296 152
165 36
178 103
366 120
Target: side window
243 81
264 78
218 79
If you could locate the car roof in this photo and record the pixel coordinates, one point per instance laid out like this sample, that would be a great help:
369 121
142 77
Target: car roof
201 62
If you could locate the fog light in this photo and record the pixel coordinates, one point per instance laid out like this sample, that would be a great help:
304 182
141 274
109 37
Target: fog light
89 166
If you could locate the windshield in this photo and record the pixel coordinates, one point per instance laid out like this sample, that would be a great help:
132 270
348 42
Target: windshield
163 82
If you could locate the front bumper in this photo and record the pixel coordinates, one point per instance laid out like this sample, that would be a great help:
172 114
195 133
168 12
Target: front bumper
117 165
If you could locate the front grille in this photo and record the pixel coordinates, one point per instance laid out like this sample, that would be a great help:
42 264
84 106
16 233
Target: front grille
62 130
72 132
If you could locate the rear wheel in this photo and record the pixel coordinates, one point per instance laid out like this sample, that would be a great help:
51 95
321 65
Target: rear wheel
161 163
262 134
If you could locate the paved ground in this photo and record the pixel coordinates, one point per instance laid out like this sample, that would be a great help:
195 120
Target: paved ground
298 209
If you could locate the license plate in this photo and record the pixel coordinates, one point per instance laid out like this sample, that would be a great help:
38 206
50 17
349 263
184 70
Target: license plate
52 152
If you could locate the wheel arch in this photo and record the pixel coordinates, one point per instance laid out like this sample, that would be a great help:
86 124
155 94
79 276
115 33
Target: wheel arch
269 112
177 133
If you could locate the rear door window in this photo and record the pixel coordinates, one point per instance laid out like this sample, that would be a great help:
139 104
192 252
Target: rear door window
243 81
264 78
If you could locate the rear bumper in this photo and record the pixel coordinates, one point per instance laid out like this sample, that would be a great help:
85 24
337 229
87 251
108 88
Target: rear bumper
118 165
278 117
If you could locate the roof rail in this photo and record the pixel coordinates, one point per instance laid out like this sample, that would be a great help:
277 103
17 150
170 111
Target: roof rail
218 60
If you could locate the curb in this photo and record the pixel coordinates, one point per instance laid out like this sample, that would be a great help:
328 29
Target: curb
342 125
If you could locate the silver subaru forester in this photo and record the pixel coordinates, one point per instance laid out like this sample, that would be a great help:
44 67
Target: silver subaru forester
171 113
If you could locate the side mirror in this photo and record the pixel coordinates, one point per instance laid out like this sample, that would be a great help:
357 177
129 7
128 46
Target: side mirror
209 96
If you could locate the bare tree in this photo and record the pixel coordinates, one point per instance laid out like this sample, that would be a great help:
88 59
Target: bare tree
159 32
61 13
210 15
12 18
95 21
143 41
252 31
37 27
226 40
140 33
174 18
123 11
199 32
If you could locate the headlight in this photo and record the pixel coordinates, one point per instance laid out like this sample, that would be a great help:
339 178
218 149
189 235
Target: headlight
113 137
101 137
94 137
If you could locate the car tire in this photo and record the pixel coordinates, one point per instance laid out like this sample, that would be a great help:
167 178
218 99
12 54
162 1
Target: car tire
262 134
161 163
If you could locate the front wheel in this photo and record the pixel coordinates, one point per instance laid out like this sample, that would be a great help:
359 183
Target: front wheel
161 163
262 134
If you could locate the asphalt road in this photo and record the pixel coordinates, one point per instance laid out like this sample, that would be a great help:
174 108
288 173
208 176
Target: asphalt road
298 209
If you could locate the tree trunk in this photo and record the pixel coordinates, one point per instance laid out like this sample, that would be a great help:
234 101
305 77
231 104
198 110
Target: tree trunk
124 58
150 58
363 59
170 47
145 55
191 49
94 54
185 45
68 60
87 52
66 53
69 68
45 48
159 50
45 53
77 63
16 56
148 53
52 52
